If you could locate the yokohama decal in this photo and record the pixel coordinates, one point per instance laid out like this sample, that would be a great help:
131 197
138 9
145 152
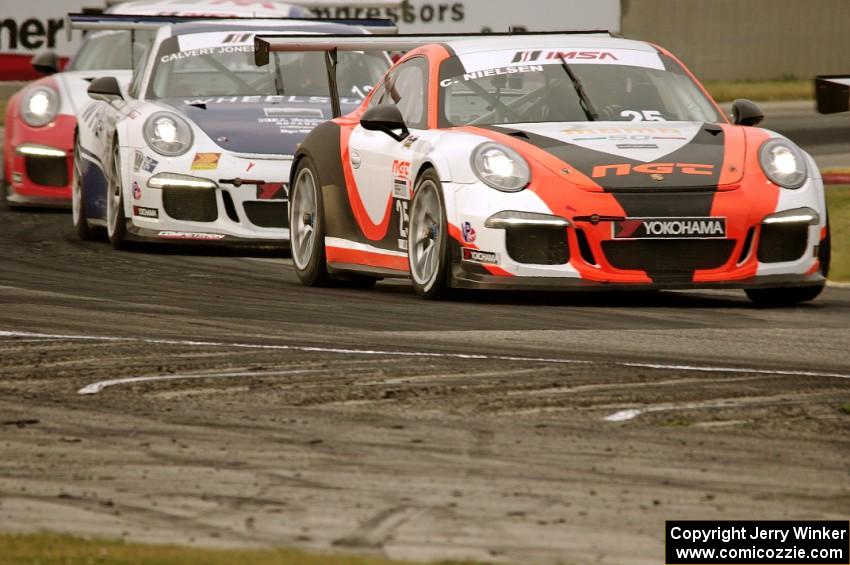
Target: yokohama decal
670 228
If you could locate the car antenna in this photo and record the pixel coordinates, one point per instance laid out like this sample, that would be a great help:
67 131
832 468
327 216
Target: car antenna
586 104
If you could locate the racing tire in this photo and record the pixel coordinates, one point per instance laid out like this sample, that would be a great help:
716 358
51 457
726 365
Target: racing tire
796 295
116 221
428 239
307 226
78 208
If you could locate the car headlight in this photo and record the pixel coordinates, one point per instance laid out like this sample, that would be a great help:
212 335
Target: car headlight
40 106
500 167
168 134
783 163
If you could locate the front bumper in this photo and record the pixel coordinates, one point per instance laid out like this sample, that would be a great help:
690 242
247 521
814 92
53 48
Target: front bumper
246 202
587 256
39 162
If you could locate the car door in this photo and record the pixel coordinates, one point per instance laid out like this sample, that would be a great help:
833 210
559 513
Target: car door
380 163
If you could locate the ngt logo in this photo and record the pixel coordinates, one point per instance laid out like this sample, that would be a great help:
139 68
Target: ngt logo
670 228
531 56
401 169
602 171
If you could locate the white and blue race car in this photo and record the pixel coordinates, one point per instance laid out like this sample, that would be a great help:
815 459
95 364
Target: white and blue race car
199 147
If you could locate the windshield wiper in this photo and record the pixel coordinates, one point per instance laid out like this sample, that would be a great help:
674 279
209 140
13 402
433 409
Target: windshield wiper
586 104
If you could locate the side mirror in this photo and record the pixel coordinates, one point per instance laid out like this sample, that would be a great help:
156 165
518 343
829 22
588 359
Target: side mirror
386 118
105 89
746 113
833 94
46 62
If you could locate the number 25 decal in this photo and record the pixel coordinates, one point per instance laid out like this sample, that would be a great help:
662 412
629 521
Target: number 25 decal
403 218
644 116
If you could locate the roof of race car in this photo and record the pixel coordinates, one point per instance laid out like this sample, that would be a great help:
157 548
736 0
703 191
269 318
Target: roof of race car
297 26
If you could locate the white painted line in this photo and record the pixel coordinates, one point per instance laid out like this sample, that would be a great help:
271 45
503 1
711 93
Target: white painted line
433 355
632 413
832 284
95 388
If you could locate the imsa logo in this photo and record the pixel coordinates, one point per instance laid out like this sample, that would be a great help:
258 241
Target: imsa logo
670 228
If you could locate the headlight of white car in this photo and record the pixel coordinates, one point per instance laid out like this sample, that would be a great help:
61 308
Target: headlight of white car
168 134
783 163
40 106
500 167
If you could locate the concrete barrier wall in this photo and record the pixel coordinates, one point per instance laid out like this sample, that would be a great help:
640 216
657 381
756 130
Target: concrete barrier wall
747 39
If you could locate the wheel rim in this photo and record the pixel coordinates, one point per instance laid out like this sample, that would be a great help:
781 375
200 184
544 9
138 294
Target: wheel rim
114 200
426 234
303 222
76 191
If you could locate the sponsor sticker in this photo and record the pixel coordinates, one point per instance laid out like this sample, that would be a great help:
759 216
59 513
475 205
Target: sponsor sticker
670 228
477 256
205 161
625 169
409 141
138 159
196 236
272 191
468 233
149 165
401 180
143 212
137 191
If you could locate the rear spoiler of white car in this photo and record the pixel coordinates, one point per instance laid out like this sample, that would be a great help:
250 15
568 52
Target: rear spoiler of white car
332 44
832 93
129 22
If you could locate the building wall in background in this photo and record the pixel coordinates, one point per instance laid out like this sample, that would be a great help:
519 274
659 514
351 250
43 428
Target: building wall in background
747 39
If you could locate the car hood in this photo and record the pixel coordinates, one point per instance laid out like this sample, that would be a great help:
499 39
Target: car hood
274 125
640 156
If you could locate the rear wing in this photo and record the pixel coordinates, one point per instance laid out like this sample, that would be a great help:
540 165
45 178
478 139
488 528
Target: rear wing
332 44
832 93
130 22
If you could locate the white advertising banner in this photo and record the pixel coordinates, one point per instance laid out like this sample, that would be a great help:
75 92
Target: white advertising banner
30 26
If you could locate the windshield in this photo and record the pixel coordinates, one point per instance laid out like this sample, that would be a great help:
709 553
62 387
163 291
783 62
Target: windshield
110 50
229 70
539 88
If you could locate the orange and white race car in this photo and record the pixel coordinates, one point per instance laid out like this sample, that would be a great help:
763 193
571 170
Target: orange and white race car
551 161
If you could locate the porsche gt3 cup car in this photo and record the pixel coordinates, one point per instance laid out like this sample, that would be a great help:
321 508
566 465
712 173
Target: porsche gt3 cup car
199 148
41 119
552 161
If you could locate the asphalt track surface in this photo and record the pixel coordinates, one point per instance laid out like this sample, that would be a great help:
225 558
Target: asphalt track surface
531 428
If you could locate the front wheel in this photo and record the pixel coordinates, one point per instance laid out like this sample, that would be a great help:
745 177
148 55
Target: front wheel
116 221
428 239
78 206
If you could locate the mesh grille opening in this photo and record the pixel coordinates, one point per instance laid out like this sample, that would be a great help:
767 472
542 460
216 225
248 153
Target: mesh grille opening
780 243
267 214
190 204
584 248
538 246
47 171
